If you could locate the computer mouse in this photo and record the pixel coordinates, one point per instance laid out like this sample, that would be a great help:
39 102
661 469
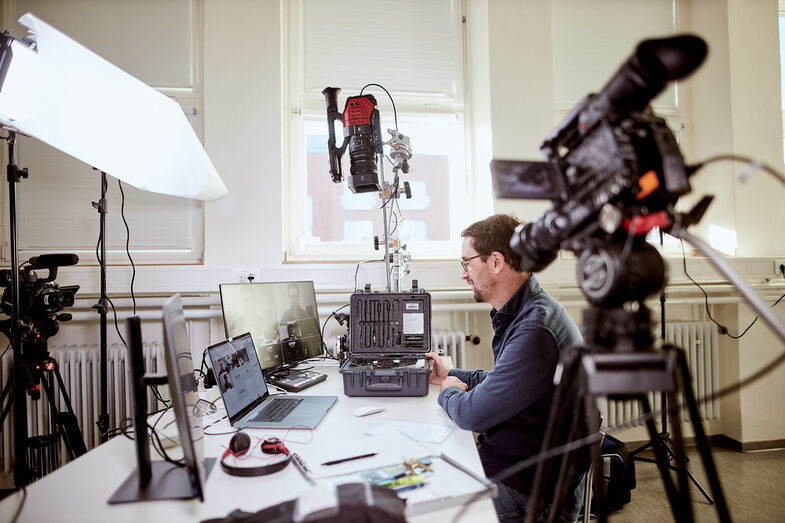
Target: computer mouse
367 410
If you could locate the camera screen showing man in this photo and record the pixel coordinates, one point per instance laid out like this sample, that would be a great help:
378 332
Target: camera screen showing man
281 317
299 322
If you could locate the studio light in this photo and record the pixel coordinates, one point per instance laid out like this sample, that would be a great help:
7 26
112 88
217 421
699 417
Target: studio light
63 94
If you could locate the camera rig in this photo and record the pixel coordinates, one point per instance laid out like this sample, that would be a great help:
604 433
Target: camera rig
40 302
363 138
37 314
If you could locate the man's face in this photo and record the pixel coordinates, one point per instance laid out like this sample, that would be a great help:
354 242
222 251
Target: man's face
294 296
477 274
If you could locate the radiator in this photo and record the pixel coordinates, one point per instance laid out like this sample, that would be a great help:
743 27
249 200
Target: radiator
699 342
81 375
450 343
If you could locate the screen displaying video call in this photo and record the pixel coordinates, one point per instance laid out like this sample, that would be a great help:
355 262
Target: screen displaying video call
281 316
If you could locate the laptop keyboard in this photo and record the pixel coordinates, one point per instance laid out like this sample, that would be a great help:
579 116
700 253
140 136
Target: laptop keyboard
276 410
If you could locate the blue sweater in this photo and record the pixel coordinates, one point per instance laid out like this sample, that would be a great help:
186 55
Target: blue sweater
509 406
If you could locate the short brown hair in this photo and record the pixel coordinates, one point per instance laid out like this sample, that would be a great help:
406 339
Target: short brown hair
494 234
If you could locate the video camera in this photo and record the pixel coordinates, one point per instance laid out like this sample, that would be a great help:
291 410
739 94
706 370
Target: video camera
612 169
363 137
40 300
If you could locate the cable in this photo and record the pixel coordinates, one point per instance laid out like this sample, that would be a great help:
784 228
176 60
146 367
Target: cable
5 350
21 505
395 113
723 328
116 326
127 242
159 448
357 269
332 315
738 158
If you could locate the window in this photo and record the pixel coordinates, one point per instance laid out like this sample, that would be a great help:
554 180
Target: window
416 52
782 63
590 42
54 205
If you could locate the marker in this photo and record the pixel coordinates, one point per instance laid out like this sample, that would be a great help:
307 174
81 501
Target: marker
337 461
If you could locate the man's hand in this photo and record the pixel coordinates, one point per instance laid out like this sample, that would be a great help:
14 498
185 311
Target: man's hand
452 381
440 369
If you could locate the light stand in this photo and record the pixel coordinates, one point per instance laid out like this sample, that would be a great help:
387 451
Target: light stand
103 415
664 436
21 471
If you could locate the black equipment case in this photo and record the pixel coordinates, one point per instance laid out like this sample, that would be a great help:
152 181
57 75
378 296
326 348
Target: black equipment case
388 335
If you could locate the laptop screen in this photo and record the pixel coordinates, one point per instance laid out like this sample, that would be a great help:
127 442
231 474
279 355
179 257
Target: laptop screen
238 374
281 316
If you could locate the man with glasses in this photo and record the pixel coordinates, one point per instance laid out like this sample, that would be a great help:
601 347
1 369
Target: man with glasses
509 406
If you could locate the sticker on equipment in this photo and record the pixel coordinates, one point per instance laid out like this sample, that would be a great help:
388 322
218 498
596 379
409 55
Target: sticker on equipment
413 323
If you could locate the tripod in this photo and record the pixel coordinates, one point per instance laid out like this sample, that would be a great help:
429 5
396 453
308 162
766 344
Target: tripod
664 436
619 361
41 452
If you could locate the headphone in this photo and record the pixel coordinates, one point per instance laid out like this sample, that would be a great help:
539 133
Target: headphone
239 445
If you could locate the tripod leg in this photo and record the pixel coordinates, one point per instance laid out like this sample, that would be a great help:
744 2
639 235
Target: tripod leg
700 436
595 452
561 395
662 462
66 423
677 448
568 461
67 419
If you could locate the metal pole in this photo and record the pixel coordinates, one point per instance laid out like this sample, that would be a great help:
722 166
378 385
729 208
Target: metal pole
384 219
101 307
21 470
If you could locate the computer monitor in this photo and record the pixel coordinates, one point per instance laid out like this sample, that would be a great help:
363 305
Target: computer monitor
281 316
158 479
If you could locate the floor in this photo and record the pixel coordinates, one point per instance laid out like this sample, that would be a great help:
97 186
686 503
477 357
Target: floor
753 484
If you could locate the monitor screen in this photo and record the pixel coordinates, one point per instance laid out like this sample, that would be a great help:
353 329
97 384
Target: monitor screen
281 317
182 387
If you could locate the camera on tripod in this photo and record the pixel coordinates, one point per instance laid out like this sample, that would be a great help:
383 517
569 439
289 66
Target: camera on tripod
40 302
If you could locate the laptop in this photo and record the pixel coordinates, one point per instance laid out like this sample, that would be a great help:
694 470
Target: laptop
244 391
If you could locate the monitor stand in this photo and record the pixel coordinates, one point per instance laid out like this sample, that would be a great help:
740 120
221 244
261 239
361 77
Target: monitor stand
168 481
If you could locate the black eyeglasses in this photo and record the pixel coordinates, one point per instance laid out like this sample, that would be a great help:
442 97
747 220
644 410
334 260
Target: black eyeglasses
465 260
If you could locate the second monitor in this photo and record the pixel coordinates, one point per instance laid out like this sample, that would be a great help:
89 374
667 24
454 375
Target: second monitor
282 318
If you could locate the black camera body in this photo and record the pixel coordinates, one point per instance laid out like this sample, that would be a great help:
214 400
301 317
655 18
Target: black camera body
363 137
613 170
40 301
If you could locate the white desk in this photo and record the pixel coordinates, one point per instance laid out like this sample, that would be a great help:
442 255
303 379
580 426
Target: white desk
78 491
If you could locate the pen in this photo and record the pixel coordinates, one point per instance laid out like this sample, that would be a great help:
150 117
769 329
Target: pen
336 461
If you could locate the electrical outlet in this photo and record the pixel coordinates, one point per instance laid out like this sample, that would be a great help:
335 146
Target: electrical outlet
779 268
245 275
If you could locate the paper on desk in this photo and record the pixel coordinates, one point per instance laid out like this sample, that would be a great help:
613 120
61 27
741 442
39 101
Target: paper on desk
426 432
389 448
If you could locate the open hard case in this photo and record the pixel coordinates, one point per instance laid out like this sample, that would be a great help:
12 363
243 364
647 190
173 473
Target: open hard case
388 335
